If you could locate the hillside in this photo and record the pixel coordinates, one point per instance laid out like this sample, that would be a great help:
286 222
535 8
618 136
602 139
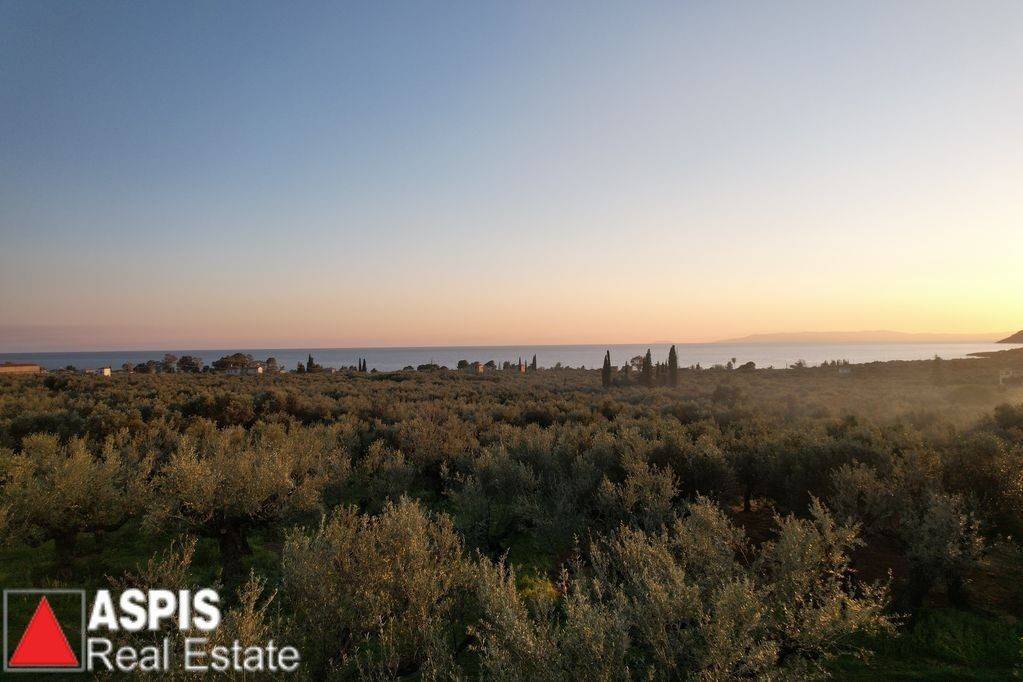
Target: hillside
1015 338
875 336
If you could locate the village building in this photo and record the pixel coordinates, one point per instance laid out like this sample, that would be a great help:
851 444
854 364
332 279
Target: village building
20 368
244 371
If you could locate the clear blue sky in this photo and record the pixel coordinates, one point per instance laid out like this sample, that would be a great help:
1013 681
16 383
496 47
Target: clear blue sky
473 172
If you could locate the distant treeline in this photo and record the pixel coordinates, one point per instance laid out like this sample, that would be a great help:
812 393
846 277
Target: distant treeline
642 367
431 525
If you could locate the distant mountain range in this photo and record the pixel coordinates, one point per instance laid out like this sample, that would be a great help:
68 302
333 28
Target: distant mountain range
877 336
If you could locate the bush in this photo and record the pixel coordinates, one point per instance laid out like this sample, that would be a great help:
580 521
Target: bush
380 596
690 601
492 503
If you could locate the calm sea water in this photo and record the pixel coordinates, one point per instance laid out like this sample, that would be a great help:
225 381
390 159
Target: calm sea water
384 359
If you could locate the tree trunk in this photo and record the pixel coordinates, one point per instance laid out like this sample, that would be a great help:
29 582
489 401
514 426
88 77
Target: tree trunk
233 546
64 551
917 588
956 590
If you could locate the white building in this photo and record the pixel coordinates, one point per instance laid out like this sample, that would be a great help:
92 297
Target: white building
244 371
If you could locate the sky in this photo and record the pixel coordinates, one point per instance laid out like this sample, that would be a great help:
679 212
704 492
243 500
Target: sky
274 174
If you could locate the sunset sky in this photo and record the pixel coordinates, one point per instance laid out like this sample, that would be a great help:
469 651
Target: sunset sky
214 174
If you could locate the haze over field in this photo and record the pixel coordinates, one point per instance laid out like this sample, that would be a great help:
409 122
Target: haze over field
206 175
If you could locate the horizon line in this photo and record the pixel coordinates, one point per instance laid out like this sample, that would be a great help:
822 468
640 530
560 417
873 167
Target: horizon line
733 340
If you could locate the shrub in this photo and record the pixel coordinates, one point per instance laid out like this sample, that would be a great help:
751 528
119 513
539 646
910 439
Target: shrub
492 503
378 595
689 601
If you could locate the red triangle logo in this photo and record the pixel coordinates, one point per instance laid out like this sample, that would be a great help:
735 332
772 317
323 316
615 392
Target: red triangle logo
43 645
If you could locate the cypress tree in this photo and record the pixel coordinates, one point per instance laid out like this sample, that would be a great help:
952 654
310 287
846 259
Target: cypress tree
672 367
648 369
605 372
532 365
938 371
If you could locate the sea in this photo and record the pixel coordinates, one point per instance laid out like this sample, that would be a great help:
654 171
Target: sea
777 355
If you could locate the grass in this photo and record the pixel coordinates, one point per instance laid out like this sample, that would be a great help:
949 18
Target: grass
96 558
943 644
126 550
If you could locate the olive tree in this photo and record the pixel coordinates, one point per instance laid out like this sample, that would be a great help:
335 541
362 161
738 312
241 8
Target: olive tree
692 601
54 491
940 536
249 616
378 595
225 483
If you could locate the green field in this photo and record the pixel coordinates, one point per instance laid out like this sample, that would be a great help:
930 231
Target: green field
439 524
